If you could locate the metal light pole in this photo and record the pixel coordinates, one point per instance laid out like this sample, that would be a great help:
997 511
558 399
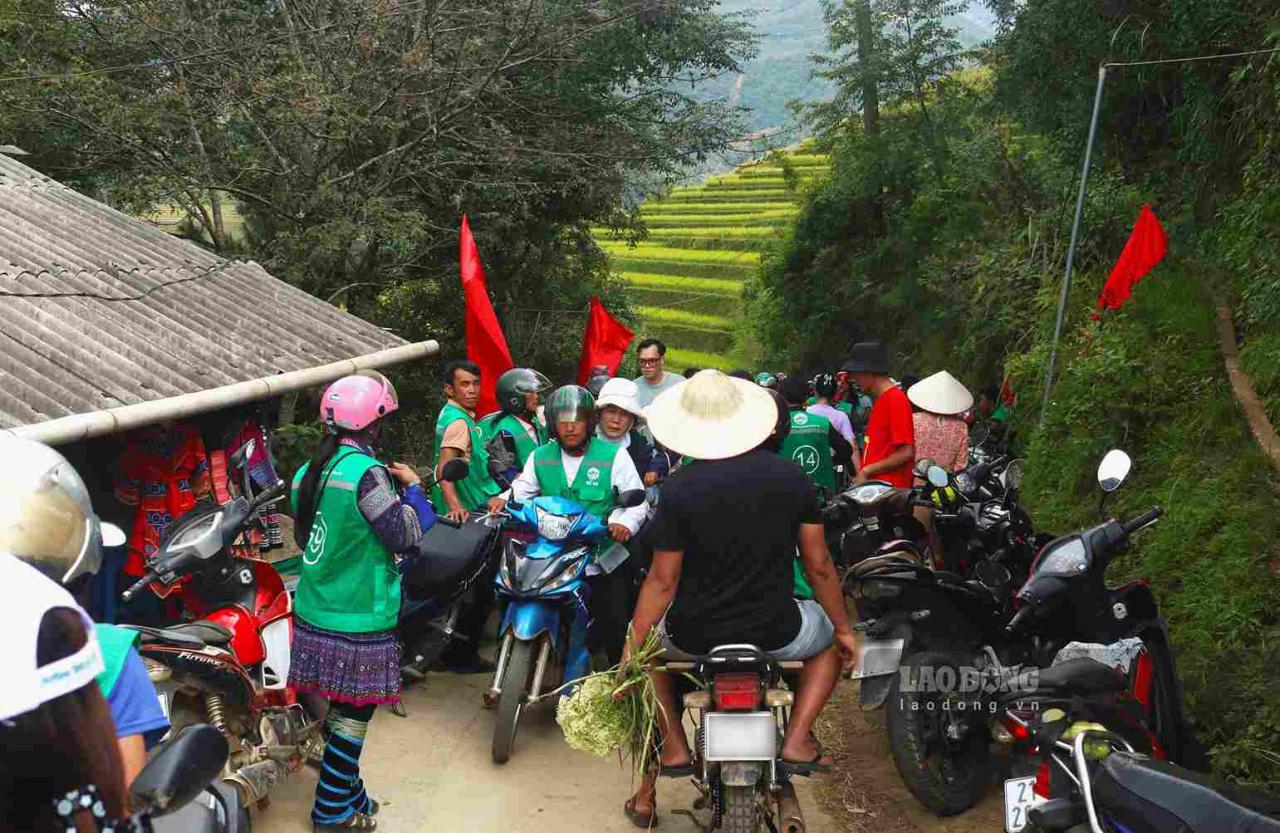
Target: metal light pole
1075 236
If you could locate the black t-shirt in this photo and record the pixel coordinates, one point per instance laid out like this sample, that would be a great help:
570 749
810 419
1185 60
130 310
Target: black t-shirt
737 522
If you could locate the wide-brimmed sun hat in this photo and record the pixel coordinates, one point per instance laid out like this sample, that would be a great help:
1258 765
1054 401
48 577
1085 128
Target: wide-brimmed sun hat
712 416
941 393
621 393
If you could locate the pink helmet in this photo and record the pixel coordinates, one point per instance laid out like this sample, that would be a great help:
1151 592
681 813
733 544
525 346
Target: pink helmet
355 402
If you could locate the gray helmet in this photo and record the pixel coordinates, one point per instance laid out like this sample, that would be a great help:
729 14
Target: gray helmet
46 517
517 383
570 404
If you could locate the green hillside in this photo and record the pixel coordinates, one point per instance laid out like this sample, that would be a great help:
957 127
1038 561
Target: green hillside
704 242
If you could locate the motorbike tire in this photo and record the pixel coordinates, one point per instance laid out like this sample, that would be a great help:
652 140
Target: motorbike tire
945 782
515 682
741 812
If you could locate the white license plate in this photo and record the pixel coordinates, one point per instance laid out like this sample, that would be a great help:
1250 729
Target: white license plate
877 657
163 697
1019 798
746 736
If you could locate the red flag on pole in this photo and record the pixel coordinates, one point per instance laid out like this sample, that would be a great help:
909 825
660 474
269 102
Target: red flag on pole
1147 246
486 345
604 343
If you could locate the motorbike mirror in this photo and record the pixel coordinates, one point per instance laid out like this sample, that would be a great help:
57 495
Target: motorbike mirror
1013 475
454 470
631 498
112 535
937 477
979 434
180 769
1113 469
922 466
242 454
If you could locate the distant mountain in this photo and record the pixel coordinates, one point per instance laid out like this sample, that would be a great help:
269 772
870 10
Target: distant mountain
790 31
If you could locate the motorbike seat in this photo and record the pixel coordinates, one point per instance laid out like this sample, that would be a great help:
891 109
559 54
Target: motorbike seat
200 631
1167 797
1081 676
892 562
446 556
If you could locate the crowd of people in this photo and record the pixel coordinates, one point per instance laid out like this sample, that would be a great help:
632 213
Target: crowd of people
728 547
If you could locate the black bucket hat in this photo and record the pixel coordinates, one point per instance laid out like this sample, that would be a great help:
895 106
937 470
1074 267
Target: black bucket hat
867 357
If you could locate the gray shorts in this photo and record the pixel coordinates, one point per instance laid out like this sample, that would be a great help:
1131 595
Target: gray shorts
815 636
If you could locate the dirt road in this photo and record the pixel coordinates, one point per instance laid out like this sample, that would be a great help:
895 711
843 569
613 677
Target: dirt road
432 772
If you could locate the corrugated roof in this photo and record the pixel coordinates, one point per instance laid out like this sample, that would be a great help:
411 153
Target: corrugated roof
99 309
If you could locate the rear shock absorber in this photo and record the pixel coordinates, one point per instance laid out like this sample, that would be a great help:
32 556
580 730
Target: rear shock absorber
215 710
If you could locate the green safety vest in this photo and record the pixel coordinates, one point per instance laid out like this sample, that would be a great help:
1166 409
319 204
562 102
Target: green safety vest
477 487
593 485
115 643
525 445
845 407
349 582
809 446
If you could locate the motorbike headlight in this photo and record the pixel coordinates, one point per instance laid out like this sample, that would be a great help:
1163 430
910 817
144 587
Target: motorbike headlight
563 570
965 482
199 537
554 527
1065 557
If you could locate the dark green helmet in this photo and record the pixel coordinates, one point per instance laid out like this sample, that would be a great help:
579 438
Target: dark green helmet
514 385
570 404
766 379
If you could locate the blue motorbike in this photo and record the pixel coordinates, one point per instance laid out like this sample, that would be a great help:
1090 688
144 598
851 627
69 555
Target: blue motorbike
544 625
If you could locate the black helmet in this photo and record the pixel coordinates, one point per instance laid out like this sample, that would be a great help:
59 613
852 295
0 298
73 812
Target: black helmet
596 383
570 404
824 385
517 383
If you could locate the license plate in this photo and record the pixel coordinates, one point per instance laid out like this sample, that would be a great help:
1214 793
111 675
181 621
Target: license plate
1019 798
163 697
877 657
749 736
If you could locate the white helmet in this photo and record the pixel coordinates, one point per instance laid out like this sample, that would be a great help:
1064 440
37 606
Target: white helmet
46 517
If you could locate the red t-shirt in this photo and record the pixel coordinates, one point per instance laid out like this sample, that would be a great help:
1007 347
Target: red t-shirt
889 427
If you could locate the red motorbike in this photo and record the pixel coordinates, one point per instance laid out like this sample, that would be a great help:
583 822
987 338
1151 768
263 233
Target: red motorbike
228 665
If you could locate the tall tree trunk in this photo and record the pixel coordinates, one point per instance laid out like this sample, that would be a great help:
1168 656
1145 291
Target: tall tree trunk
866 57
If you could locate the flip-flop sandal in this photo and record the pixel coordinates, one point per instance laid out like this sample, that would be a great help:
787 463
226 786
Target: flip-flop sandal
806 767
355 821
676 770
640 819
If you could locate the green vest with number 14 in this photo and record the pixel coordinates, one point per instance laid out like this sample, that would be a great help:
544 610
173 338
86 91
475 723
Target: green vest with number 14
809 447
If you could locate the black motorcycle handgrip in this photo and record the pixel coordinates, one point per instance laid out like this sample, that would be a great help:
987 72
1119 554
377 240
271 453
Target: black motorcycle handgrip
138 585
1144 520
271 493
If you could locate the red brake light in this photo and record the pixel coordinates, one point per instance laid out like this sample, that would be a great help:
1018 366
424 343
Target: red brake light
736 692
1019 731
1041 787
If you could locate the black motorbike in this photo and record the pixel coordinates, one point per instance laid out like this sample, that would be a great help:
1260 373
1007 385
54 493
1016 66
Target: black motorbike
176 792
1091 778
934 637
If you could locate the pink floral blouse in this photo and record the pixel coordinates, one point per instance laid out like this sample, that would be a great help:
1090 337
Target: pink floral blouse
943 439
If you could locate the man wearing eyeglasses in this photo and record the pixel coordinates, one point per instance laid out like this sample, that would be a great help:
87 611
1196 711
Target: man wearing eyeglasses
654 378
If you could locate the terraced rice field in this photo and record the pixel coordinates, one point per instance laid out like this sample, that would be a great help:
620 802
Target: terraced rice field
704 242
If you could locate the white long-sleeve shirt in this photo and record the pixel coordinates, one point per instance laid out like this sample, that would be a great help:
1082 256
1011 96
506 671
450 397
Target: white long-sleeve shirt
623 475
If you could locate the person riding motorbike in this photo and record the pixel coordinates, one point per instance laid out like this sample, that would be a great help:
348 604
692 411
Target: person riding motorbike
350 523
459 436
47 520
591 471
515 431
813 442
59 770
620 420
725 537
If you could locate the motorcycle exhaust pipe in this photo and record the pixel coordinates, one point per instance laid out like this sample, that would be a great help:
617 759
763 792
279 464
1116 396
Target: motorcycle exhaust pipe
790 818
255 781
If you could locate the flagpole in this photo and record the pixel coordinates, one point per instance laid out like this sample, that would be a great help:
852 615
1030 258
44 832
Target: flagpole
1075 236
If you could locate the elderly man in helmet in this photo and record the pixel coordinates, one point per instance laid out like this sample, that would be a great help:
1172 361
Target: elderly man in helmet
584 467
47 520
515 431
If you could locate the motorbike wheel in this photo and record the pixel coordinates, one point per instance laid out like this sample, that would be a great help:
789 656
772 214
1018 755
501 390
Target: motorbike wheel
947 777
741 810
515 681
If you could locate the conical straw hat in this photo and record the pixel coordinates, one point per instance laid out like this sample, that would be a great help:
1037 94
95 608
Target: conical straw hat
712 416
941 393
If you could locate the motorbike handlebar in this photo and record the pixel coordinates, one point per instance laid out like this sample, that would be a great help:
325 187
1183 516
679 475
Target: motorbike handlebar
273 493
138 585
1019 618
1143 521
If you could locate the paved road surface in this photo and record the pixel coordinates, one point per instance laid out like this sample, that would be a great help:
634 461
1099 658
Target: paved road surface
433 773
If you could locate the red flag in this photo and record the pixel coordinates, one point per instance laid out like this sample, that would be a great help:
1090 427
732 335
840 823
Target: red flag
604 343
1147 246
486 345
1007 396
